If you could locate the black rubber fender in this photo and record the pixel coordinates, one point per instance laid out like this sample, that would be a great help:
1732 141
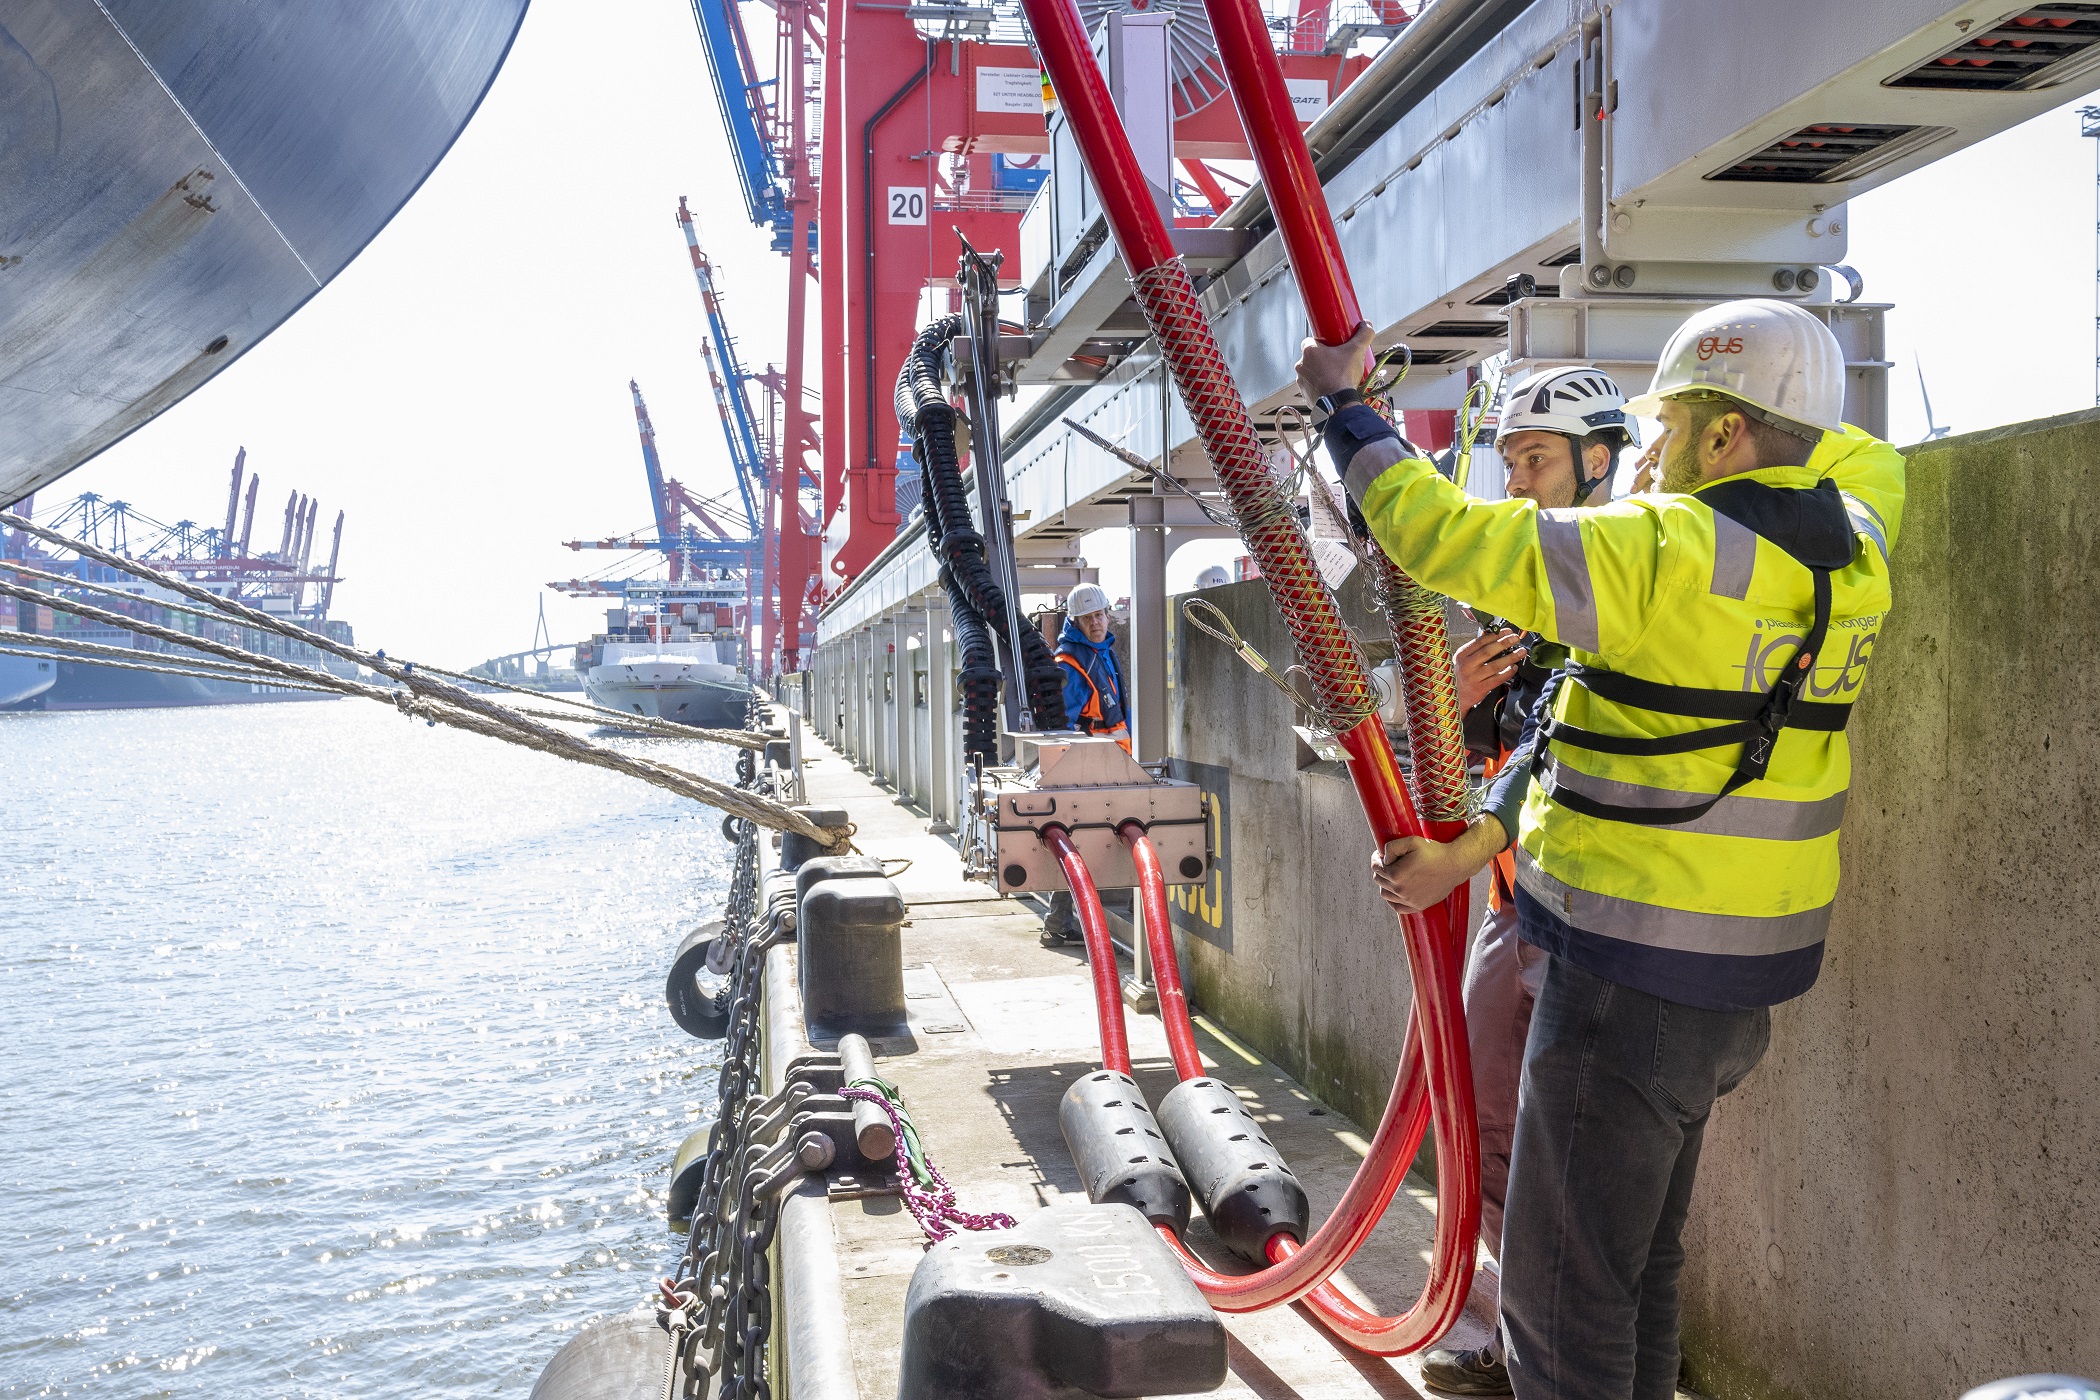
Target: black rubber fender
699 1013
732 829
1122 1155
688 1173
1247 1191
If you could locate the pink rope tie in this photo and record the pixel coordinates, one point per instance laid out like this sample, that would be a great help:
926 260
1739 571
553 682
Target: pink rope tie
927 1194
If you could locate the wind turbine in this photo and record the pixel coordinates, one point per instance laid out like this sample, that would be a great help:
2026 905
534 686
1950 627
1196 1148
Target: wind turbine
1933 431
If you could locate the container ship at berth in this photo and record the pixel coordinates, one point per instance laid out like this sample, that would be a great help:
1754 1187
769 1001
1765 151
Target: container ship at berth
284 582
673 652
675 647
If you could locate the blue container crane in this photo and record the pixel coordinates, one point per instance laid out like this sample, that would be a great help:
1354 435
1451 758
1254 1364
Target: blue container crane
666 511
732 398
686 547
740 93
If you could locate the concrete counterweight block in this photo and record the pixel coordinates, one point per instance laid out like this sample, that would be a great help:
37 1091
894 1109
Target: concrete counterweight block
1072 1303
852 958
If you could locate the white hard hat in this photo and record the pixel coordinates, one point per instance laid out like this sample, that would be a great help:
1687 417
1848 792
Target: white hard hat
1765 354
1573 400
1086 598
1212 577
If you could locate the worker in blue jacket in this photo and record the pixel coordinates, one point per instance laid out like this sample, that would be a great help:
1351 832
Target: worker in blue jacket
1086 649
1094 703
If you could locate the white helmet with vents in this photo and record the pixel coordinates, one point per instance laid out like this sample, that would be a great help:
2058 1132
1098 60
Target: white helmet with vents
1573 400
1777 359
1086 598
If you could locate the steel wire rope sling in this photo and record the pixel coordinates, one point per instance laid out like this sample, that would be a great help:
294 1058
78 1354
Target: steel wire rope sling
1436 1056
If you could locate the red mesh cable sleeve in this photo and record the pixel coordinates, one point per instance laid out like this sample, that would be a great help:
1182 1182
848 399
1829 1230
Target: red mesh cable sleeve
1428 693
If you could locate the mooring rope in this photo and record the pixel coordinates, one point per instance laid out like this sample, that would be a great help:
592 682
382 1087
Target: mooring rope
433 700
737 738
46 643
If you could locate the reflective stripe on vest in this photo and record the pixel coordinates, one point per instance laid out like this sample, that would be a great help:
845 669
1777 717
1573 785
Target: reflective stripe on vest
1659 926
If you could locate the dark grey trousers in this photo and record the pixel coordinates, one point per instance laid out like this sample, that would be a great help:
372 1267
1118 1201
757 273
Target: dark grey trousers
1616 1091
1502 982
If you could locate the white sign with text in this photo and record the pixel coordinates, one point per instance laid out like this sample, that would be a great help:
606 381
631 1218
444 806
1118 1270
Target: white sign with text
907 204
1010 90
1308 97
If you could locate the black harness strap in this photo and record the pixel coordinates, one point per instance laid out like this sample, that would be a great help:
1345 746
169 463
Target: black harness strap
1800 519
1695 703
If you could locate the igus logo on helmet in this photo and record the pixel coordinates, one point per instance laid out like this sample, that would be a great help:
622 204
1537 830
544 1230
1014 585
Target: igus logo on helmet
1713 345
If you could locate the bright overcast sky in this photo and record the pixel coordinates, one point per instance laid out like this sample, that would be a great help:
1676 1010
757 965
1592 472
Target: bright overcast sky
461 389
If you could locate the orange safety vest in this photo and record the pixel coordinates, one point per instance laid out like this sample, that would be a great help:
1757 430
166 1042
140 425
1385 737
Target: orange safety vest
1090 716
1504 882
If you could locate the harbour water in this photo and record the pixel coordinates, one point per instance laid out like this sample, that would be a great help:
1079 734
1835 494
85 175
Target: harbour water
336 1056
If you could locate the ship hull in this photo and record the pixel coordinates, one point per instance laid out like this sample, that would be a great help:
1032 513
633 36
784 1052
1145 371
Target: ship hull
151 264
24 678
706 694
87 687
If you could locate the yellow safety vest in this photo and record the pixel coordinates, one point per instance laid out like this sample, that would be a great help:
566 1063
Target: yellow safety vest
1682 619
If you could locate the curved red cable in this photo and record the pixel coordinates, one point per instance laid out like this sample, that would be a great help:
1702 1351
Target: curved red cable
1362 1329
1159 943
1438 1056
1100 952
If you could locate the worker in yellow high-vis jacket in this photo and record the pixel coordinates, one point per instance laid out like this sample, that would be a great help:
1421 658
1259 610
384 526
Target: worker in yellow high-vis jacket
1677 852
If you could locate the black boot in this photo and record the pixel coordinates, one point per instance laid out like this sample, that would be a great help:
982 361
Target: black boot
1061 924
1476 1372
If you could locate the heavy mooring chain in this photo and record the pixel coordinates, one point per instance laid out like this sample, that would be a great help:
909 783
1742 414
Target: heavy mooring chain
717 1307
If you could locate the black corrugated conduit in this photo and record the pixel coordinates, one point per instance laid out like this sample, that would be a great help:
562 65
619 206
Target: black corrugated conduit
924 411
979 678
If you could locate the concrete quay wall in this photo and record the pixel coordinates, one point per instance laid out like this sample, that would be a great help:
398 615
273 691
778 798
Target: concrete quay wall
1901 1202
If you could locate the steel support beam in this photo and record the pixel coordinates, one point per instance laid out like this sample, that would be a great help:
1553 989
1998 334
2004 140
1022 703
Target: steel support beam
942 731
901 714
1148 627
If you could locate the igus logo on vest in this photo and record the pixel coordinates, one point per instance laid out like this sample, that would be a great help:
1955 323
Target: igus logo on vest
1838 671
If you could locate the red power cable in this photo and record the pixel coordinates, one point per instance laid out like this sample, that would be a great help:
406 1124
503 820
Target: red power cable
1364 1330
1100 952
1407 1111
1256 81
1167 295
1159 942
